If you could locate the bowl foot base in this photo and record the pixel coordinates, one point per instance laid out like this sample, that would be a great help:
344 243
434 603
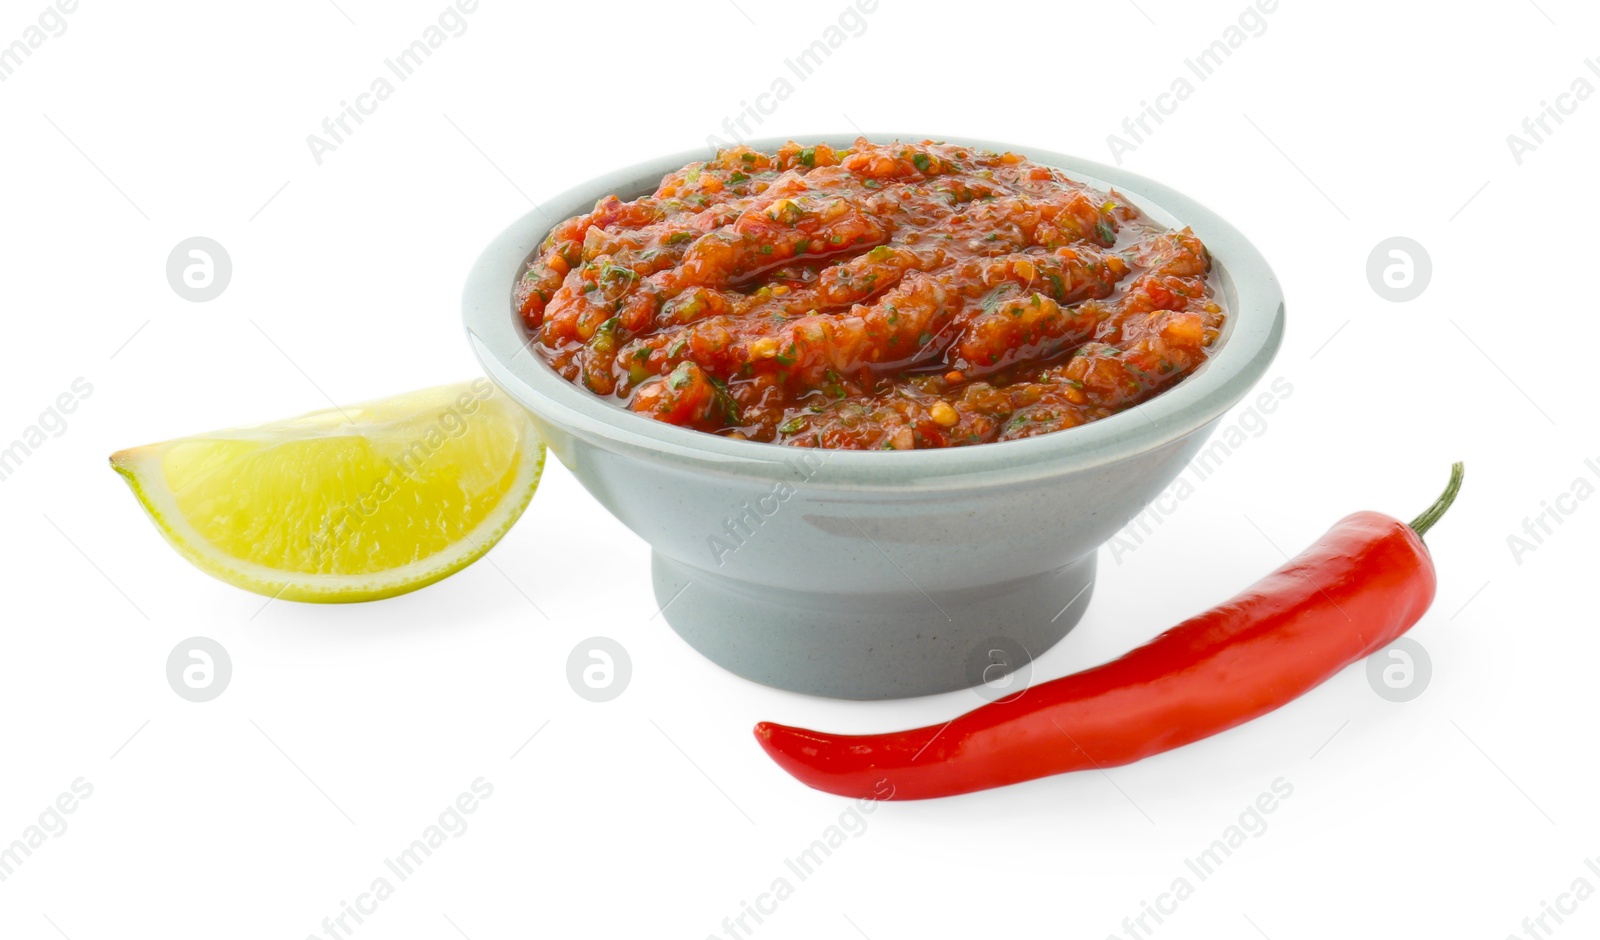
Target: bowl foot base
878 646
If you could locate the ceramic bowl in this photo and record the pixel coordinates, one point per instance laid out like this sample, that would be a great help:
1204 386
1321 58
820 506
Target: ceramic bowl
882 574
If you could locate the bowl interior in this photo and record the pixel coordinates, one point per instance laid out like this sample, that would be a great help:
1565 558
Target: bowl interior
1251 335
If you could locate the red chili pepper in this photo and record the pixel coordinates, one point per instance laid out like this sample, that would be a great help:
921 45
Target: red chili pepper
1349 595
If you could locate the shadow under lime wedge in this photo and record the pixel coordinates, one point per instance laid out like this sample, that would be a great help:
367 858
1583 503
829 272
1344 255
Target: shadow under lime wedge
347 504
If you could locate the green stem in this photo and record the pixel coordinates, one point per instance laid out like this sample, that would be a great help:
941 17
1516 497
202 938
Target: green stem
1433 513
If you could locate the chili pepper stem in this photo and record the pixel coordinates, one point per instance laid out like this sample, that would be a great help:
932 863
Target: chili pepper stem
1434 513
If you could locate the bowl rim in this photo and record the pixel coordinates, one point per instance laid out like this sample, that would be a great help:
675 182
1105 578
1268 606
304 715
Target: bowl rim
1250 340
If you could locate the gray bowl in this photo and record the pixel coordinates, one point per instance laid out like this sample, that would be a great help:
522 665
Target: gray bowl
872 575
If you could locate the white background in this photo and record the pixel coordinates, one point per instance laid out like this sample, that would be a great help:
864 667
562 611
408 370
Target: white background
347 730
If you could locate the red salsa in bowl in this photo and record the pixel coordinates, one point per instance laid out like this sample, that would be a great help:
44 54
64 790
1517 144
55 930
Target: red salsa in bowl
885 296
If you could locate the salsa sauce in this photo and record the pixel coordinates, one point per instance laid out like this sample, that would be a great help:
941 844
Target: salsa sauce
884 296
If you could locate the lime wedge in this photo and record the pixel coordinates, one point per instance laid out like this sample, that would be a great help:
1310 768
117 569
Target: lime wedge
347 504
